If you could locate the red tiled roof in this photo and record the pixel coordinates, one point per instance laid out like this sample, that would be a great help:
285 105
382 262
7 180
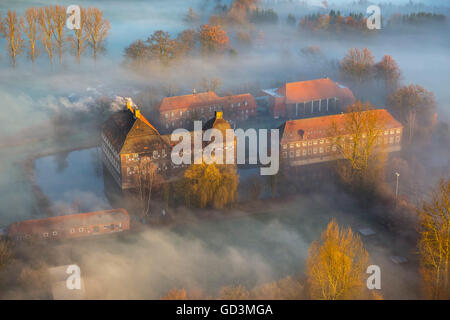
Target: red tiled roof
319 127
186 101
201 99
67 221
302 91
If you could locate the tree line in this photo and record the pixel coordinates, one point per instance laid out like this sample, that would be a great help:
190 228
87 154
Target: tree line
44 29
162 47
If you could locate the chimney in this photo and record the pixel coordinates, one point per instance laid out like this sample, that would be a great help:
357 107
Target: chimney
219 115
129 104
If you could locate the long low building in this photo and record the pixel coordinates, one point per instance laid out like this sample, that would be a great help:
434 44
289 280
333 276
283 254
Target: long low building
71 226
181 111
310 141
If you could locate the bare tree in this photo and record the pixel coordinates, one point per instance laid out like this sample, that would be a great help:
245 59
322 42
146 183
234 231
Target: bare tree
46 31
30 28
58 14
97 27
357 141
148 179
11 31
414 105
210 85
357 65
80 40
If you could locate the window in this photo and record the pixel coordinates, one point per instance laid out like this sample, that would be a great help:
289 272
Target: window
96 229
238 104
171 114
284 146
72 230
55 233
391 139
315 141
167 115
397 139
297 153
245 103
297 145
392 131
155 154
80 229
45 234
304 152
291 154
398 131
315 150
291 145
304 144
181 113
321 150
284 154
309 143
386 132
321 141
333 148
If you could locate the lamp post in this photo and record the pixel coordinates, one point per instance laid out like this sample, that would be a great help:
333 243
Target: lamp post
396 187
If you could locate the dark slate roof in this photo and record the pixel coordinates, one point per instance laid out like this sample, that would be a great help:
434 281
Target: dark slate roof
117 127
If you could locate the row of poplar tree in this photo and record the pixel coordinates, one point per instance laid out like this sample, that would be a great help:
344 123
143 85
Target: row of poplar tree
44 30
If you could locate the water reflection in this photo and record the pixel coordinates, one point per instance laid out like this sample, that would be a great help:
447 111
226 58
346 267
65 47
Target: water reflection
72 182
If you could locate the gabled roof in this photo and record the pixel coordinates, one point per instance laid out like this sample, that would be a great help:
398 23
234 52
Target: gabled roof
186 101
302 91
126 131
319 127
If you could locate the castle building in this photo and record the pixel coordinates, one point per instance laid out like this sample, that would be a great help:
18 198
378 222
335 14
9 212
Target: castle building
311 141
301 99
181 111
128 138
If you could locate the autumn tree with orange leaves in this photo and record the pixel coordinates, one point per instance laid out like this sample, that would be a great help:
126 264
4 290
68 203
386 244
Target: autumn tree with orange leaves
30 28
336 265
213 38
434 243
79 39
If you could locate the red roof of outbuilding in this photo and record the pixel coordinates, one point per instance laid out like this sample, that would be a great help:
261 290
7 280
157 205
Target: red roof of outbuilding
68 221
302 91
